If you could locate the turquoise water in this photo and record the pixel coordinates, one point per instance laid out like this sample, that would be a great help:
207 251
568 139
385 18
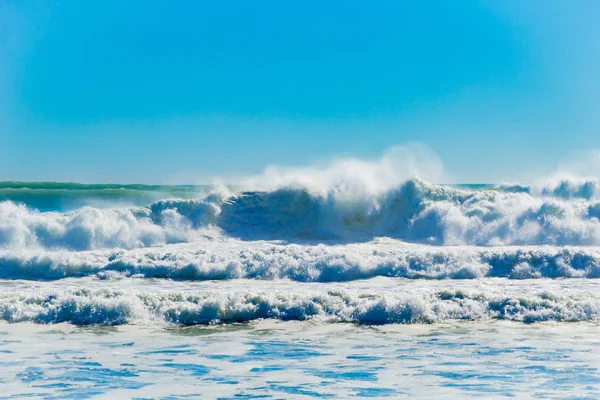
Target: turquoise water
64 196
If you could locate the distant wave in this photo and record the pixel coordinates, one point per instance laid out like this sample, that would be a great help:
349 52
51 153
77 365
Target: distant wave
306 263
414 211
65 196
115 307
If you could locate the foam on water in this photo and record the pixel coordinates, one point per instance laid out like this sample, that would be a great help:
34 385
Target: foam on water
221 260
381 302
271 359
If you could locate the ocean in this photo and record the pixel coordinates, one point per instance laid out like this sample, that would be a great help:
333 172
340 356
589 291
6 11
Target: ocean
412 290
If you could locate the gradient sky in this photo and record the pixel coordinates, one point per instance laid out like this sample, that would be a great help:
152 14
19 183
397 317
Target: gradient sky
176 92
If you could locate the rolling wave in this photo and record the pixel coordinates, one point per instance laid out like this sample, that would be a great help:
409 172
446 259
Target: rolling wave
115 307
210 261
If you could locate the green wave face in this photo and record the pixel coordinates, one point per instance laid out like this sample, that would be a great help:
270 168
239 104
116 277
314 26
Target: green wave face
66 196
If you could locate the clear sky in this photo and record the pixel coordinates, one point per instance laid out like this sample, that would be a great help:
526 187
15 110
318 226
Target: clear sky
178 91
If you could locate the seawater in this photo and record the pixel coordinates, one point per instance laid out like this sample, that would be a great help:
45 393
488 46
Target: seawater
407 290
281 360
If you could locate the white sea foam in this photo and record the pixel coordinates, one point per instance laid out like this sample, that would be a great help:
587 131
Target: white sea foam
365 304
353 178
217 260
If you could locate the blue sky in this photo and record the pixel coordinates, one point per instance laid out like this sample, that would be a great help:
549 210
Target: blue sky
161 92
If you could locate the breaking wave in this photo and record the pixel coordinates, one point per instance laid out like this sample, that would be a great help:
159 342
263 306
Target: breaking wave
115 307
306 263
566 213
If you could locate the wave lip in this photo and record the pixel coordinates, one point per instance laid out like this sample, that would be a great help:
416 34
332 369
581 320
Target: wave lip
114 307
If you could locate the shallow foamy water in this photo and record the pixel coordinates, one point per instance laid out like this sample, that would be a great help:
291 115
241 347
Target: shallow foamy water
270 359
